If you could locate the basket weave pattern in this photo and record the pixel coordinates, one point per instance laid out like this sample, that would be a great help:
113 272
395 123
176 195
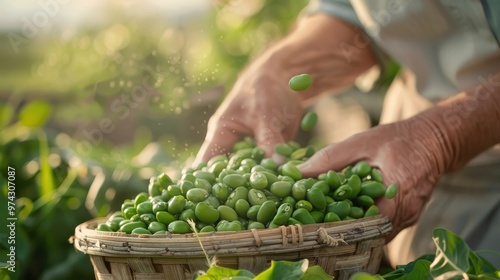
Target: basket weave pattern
340 248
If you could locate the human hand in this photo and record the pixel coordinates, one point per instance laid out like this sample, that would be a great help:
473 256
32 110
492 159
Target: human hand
406 154
259 105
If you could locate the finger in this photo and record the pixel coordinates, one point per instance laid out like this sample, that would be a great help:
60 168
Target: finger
266 138
219 140
334 157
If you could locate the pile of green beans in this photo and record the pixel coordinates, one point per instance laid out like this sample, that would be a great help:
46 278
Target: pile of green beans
246 190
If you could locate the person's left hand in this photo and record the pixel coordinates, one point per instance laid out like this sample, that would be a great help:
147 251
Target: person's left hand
407 155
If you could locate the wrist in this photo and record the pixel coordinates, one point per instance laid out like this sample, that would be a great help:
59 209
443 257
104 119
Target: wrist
465 125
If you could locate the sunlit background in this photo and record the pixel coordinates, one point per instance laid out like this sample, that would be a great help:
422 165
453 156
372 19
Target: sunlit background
96 97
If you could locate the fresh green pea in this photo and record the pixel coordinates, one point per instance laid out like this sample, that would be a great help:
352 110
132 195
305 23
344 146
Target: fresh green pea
356 212
217 158
128 227
292 221
299 190
140 198
206 213
362 169
207 229
343 192
283 149
303 216
256 197
372 189
258 181
289 199
391 191
256 225
205 175
140 231
203 184
355 183
185 186
188 214
252 212
333 179
376 176
281 189
147 218
304 204
176 204
283 214
372 211
300 82
318 216
241 206
154 187
164 180
331 217
269 163
196 195
221 191
179 227
103 227
238 193
160 206
323 186
341 208
292 171
227 213
212 200
364 201
266 212
156 226
309 121
234 180
316 198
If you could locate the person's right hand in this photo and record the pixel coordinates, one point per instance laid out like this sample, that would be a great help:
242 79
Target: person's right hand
263 106
260 105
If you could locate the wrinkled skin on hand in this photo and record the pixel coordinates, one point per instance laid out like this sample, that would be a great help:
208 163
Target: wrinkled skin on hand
258 106
403 151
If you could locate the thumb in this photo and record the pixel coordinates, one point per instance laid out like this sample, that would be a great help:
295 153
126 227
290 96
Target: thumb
334 157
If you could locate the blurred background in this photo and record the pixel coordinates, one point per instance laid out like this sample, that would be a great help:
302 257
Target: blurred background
97 97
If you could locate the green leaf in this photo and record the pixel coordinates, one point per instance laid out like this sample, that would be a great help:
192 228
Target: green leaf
284 270
421 271
409 267
35 114
479 265
246 273
364 276
316 273
46 179
219 273
6 114
452 255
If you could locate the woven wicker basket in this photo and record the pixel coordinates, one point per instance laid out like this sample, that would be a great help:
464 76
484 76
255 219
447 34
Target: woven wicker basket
340 248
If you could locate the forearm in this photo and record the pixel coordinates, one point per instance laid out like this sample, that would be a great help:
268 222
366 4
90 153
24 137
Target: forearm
333 52
464 126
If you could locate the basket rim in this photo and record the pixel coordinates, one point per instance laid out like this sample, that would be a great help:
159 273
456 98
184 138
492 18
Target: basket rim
293 237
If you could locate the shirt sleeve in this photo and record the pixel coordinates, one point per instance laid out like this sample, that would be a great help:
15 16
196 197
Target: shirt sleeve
339 8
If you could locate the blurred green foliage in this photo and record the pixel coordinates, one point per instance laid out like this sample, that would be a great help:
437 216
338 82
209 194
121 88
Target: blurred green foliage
88 116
